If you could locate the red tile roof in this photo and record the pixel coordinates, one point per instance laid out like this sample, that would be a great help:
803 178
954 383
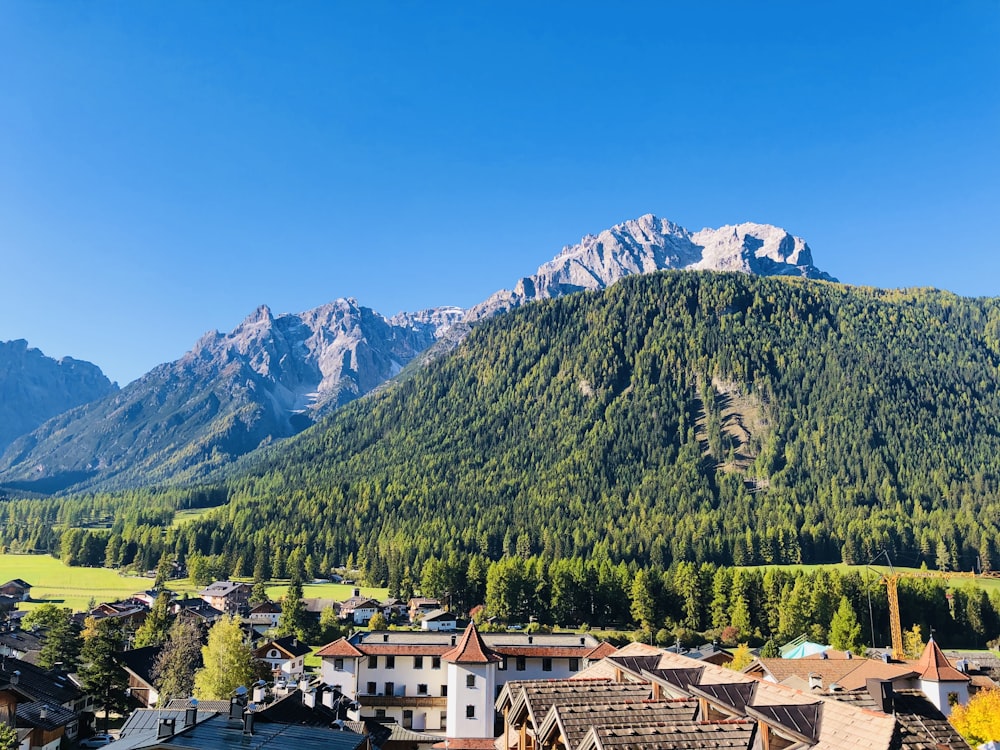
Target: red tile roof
467 743
471 649
603 649
934 666
554 651
340 647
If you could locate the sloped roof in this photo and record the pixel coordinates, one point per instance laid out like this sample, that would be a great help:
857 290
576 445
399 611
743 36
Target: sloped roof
601 650
19 582
471 649
55 716
289 644
920 725
339 648
572 720
705 735
38 684
139 661
934 666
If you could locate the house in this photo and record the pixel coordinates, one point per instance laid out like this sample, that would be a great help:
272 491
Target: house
130 612
265 614
932 674
643 698
419 606
231 597
393 609
285 656
195 610
409 676
149 596
47 700
20 644
17 588
359 609
439 620
138 663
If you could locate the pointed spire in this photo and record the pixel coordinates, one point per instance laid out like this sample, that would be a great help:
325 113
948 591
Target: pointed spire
935 667
471 649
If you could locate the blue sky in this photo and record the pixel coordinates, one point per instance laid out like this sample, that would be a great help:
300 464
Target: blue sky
165 167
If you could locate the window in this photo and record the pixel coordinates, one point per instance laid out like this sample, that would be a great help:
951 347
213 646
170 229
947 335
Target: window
470 680
574 665
444 691
444 719
418 662
390 662
502 666
379 713
546 664
435 662
520 664
470 712
390 688
371 688
338 664
421 690
407 719
373 661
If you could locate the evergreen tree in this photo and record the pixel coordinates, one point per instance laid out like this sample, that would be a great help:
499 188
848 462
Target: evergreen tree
153 630
100 673
845 630
175 665
294 619
61 644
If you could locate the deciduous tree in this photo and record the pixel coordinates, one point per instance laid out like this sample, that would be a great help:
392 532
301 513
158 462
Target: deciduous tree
228 662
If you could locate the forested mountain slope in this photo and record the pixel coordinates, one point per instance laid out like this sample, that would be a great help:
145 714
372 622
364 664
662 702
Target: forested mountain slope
603 423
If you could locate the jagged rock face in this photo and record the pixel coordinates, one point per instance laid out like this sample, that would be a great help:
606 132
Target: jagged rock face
272 376
34 387
268 378
650 244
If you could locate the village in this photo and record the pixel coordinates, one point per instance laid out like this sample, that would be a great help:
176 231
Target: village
415 675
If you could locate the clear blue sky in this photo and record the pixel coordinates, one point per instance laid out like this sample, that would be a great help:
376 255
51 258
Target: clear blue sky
165 167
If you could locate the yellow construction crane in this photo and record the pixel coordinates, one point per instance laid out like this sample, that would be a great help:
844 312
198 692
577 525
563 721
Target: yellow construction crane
891 581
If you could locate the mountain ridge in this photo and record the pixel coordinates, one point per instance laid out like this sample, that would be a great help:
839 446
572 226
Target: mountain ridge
274 375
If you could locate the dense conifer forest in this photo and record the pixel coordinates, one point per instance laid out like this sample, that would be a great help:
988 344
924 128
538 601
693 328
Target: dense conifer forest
679 417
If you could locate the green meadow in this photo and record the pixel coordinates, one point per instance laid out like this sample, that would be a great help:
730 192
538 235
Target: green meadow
51 581
73 587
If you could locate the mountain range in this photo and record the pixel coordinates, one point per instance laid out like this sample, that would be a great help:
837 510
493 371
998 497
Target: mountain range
274 375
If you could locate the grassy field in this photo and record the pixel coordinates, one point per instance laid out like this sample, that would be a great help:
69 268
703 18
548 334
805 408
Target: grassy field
51 581
956 580
187 515
337 591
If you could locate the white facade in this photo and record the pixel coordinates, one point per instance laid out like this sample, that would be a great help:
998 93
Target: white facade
470 700
401 674
945 693
279 661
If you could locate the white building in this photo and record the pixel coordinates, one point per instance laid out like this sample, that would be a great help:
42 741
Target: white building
439 620
285 656
421 678
943 685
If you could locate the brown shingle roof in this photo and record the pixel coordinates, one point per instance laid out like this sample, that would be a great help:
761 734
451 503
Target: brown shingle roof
471 649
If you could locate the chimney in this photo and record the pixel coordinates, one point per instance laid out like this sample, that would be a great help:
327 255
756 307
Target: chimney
309 698
885 657
235 709
835 687
357 592
248 723
304 684
815 681
531 639
165 729
190 716
848 655
453 640
259 693
328 699
882 693
43 713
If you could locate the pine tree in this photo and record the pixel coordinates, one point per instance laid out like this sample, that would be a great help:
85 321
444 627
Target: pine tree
845 630
174 669
153 630
100 674
294 620
62 643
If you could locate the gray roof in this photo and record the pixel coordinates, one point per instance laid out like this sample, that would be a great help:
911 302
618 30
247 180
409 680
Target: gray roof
220 733
55 716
